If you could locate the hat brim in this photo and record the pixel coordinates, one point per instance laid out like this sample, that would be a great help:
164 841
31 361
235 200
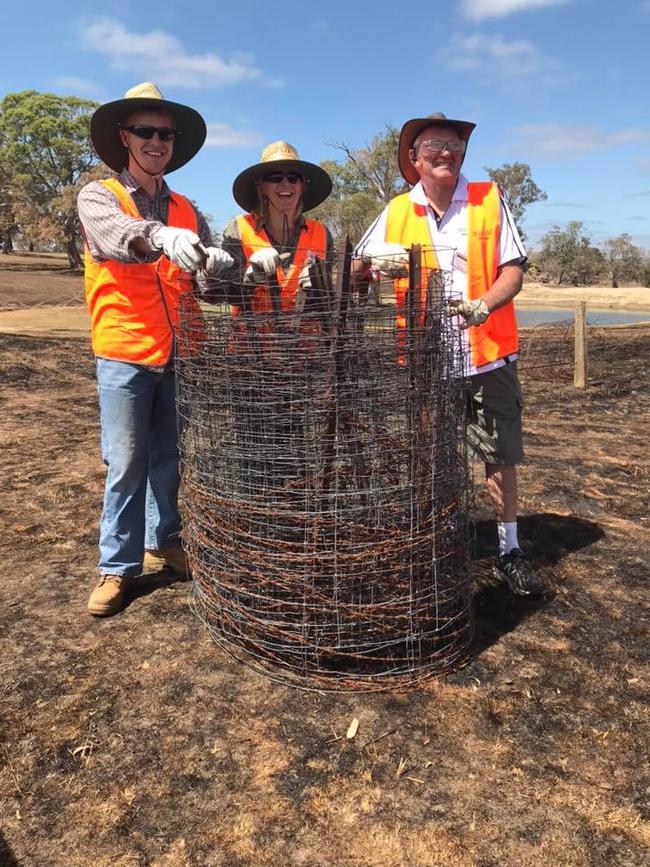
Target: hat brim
412 129
318 184
105 134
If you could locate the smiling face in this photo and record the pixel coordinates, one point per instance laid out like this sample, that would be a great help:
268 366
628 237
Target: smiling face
284 197
442 167
153 155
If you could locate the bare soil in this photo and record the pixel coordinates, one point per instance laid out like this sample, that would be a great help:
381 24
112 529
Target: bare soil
134 740
37 280
597 297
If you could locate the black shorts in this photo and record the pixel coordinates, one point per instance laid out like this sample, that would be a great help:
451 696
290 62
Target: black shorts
494 407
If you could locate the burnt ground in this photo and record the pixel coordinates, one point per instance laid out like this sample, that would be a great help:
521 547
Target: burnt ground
136 741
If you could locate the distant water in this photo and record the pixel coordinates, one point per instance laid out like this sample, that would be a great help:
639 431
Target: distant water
543 316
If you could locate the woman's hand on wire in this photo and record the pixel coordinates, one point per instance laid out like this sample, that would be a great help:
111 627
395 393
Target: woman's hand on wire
262 264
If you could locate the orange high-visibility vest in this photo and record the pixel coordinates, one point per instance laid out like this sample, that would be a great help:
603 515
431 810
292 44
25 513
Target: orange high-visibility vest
407 225
312 239
134 307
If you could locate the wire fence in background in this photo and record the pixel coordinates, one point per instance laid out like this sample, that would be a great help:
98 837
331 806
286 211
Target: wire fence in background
617 355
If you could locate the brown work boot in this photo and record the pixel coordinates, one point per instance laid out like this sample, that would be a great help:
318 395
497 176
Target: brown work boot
108 595
172 558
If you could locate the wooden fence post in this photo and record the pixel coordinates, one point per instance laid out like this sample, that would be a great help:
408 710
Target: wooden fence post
580 351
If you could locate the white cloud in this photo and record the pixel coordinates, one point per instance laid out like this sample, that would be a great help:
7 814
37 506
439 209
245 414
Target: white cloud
161 57
495 56
71 84
477 10
552 141
321 25
222 135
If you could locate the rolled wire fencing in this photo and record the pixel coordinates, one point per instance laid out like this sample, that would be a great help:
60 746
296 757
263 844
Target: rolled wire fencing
325 480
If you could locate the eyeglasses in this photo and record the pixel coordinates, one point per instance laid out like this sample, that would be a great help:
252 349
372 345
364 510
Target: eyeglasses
278 177
165 133
438 145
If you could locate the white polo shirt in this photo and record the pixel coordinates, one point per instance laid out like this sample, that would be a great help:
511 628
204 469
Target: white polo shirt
449 239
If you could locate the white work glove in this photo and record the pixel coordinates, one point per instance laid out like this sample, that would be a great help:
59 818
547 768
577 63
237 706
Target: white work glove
181 246
387 258
304 281
262 264
473 312
217 261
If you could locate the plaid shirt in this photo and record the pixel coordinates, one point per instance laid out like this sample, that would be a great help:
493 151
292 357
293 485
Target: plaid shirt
109 231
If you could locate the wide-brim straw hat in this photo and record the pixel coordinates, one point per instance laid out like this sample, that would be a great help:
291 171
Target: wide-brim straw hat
280 156
412 129
105 126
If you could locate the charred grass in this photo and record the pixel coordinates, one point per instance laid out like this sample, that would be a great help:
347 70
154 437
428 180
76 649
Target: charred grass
136 741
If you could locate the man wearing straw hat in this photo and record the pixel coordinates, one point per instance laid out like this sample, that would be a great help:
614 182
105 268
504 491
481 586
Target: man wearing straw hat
143 242
468 231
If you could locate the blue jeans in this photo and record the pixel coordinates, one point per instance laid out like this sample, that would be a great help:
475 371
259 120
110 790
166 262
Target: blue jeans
140 449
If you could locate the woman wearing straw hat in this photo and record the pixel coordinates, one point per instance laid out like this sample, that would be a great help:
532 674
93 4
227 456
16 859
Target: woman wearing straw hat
142 243
274 239
273 245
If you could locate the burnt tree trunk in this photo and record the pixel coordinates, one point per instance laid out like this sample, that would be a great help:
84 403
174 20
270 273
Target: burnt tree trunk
72 237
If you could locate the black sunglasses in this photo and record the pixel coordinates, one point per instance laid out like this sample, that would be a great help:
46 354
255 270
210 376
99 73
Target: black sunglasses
278 177
165 133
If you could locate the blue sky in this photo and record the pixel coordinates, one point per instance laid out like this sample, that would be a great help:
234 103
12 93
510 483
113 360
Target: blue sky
563 85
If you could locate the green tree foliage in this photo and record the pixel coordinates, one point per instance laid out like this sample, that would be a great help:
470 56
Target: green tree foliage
644 274
45 149
519 189
567 256
624 260
363 184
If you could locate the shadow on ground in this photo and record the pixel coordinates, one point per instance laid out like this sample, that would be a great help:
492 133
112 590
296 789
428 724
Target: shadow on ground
6 856
150 583
547 538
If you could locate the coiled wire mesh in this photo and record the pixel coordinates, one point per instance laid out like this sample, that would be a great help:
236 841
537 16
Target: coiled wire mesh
325 483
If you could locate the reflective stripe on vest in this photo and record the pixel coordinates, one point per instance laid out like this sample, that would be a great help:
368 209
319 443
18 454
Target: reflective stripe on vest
134 307
312 239
407 224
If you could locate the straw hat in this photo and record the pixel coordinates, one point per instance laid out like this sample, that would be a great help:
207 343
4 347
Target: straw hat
280 156
105 135
412 129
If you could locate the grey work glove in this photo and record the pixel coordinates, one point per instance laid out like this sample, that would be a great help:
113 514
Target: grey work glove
217 261
262 264
387 258
473 312
181 246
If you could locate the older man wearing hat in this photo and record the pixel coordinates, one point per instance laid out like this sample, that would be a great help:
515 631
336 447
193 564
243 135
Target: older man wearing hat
467 230
143 243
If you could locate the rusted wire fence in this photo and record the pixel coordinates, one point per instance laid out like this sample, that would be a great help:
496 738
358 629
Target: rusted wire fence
618 356
326 483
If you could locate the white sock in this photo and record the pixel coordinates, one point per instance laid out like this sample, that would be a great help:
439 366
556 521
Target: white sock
507 536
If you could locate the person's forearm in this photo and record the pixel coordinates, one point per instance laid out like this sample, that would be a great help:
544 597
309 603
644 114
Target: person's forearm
505 287
360 272
112 234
